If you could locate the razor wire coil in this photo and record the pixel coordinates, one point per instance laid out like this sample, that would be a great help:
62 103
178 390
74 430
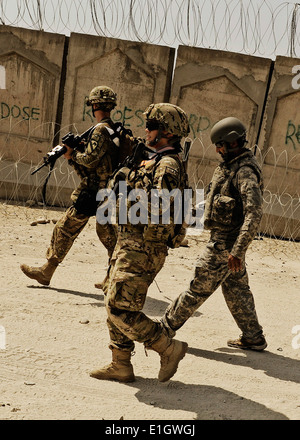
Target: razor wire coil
257 27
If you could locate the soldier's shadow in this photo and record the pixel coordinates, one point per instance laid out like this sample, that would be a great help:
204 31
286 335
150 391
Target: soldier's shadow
206 401
213 403
274 365
153 306
99 297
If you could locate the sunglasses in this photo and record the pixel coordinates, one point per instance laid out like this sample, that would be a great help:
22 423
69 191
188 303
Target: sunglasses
152 125
221 144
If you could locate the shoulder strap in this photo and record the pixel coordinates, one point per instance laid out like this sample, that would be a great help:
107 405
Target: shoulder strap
119 130
114 134
246 162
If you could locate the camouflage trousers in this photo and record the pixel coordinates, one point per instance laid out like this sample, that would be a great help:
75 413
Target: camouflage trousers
67 230
212 271
134 265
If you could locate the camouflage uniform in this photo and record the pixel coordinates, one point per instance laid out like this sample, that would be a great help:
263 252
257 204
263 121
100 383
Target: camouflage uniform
139 255
233 212
94 160
94 166
142 245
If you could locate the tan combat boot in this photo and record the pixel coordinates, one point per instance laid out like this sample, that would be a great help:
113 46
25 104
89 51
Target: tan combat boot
119 369
41 274
171 352
258 344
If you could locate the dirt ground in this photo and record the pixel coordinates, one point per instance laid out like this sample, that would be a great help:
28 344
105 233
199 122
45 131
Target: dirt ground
55 335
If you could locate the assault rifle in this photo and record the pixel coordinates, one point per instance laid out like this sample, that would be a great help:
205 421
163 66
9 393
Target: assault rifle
140 152
131 162
73 141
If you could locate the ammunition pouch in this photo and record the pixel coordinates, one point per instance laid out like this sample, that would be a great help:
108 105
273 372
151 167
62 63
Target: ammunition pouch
222 209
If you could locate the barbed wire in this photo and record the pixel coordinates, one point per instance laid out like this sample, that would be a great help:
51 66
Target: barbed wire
281 206
255 27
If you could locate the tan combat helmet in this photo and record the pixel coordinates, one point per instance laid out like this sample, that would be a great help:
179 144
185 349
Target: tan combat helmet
170 117
104 96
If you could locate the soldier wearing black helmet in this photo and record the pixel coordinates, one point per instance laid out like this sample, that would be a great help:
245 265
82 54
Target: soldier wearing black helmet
233 211
93 165
229 136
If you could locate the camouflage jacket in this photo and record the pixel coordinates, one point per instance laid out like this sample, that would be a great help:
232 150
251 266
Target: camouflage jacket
233 207
163 173
98 160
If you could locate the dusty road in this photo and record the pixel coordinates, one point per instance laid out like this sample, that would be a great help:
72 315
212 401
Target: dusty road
56 334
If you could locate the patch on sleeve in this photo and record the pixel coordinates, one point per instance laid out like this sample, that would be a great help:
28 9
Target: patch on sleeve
170 179
171 172
94 142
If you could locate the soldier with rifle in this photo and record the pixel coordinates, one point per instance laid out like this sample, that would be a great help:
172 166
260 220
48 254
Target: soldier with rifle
142 248
94 156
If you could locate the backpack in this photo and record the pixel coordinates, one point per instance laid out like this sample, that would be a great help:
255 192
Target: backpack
123 138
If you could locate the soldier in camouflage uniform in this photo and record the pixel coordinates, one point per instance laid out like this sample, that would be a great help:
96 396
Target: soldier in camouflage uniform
233 211
141 251
93 165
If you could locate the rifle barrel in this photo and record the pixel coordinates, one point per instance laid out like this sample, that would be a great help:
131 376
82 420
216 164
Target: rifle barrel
37 169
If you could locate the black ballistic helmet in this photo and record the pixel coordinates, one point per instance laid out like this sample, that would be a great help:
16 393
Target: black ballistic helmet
227 130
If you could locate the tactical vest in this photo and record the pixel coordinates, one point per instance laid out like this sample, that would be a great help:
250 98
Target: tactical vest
149 175
223 206
143 176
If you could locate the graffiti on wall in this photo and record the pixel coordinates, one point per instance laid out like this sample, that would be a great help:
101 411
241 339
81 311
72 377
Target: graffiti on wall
16 112
134 119
292 134
128 117
198 124
296 78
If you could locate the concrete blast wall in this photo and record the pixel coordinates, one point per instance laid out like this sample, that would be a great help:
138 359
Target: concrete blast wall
280 145
48 76
34 115
211 85
139 73
32 62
